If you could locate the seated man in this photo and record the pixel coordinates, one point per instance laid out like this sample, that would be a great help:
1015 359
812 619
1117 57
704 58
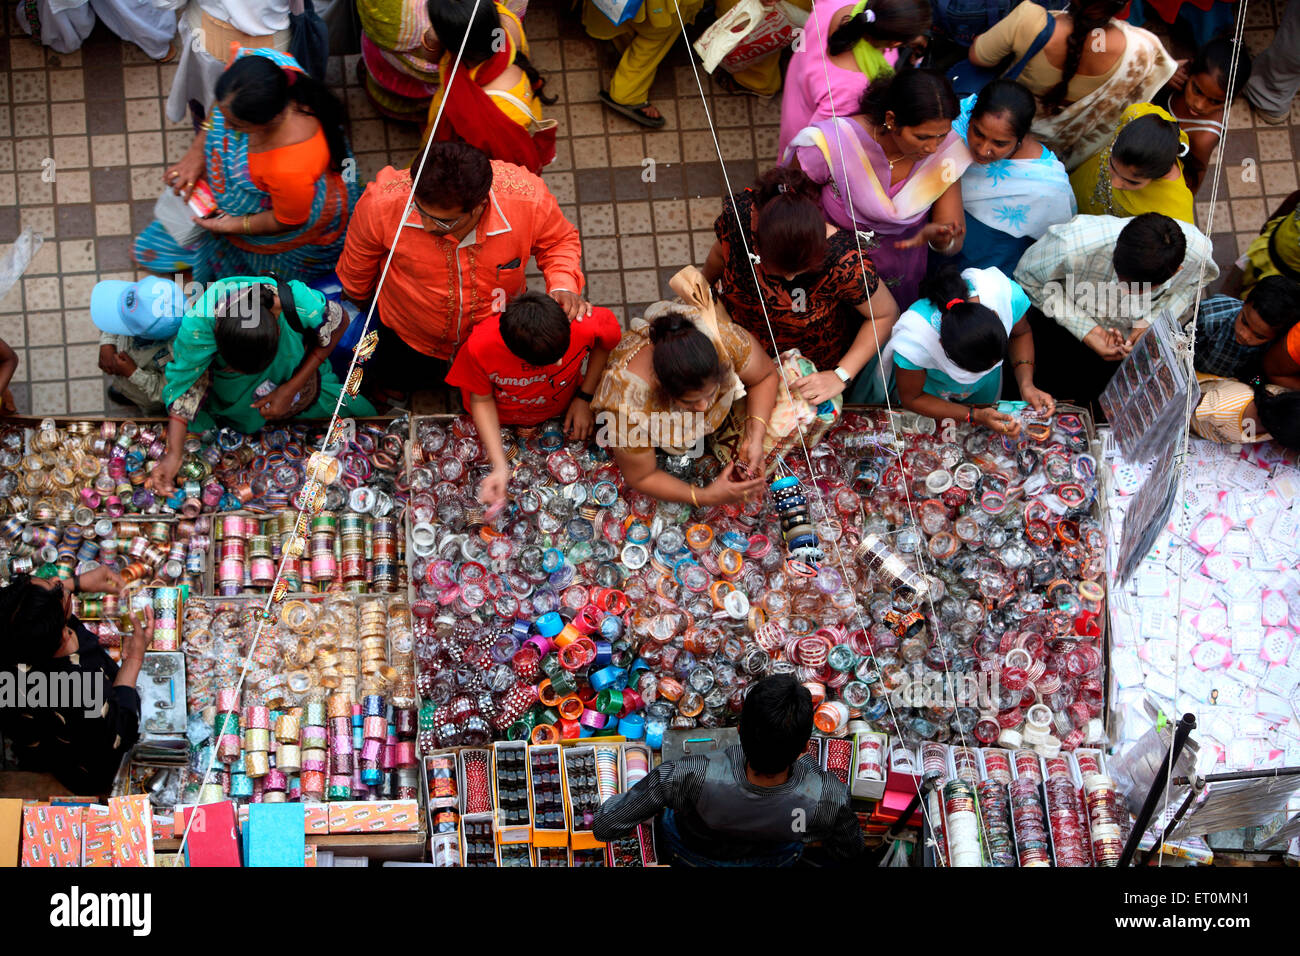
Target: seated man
1095 282
457 257
752 805
1232 336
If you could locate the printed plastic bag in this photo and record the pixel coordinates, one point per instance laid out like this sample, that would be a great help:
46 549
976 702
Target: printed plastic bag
748 32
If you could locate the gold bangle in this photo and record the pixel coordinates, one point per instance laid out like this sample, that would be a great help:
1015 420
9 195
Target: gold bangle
247 228
694 500
766 426
206 125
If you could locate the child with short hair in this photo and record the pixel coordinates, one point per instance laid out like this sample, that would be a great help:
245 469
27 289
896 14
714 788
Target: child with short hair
1197 96
525 366
1232 336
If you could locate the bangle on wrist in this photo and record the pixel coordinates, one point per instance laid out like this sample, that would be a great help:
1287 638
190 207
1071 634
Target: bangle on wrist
749 418
76 584
585 396
694 500
1019 362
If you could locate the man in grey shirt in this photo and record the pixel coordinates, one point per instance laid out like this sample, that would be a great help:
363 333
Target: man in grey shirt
753 805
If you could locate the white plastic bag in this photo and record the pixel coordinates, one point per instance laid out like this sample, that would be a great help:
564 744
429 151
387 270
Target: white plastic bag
178 219
748 32
15 262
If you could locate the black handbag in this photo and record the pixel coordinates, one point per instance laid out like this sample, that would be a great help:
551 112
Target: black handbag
309 39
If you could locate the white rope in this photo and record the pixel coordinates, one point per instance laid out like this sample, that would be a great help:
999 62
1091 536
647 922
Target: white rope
749 255
329 432
1180 460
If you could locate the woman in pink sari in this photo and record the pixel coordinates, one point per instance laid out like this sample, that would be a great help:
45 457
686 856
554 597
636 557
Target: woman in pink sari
891 172
845 46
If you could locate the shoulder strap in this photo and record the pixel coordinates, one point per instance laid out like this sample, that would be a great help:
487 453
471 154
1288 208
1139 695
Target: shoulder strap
289 310
1035 48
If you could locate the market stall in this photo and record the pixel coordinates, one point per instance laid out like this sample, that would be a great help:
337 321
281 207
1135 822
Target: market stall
510 656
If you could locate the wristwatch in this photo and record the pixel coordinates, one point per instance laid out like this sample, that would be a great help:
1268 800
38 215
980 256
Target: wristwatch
842 375
585 396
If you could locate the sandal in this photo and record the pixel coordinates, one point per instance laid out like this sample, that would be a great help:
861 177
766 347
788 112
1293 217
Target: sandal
635 113
734 87
172 50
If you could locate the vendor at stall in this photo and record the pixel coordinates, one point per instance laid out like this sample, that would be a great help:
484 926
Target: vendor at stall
76 711
251 351
757 804
672 381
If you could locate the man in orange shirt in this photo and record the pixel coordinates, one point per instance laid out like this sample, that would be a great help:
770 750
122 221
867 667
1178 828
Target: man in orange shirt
459 257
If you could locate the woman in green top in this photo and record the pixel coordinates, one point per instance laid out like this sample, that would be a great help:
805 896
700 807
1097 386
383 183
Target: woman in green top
947 350
239 362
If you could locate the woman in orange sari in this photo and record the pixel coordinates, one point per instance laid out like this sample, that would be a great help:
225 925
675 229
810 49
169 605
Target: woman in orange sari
494 101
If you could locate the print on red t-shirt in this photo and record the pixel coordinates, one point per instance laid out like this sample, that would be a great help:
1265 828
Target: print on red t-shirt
528 394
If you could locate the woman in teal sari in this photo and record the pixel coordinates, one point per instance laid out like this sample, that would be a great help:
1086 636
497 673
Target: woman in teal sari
273 153
240 362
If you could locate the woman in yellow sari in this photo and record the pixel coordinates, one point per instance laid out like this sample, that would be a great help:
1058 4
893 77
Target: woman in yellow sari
495 104
1140 171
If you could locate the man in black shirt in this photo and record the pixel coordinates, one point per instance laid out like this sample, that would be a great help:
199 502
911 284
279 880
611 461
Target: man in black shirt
46 654
752 805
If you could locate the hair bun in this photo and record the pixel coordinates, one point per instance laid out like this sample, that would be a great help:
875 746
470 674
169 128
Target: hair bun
669 325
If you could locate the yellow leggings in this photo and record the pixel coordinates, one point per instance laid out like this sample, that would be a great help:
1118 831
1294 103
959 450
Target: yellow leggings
645 40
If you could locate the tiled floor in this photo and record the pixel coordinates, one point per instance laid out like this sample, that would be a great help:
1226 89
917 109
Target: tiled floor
644 201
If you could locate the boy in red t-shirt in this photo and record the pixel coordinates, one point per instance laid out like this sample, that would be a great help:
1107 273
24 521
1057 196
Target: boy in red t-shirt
524 367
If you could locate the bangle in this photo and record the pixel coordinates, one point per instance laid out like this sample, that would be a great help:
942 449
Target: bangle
694 500
585 396
247 228
970 414
76 584
1022 362
749 418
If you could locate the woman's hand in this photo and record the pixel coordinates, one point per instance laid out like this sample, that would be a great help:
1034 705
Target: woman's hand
186 174
100 580
751 454
162 480
578 420
279 404
221 224
938 235
997 421
493 490
819 387
1042 403
726 489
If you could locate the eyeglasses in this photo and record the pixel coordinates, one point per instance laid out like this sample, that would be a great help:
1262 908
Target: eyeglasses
442 224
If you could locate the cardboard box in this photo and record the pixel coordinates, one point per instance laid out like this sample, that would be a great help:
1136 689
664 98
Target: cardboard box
132 819
869 788
11 832
51 835
316 818
384 816
579 839
518 832
97 837
545 835
214 838
276 835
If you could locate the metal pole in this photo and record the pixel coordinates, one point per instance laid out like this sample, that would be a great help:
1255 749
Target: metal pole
1155 847
1186 724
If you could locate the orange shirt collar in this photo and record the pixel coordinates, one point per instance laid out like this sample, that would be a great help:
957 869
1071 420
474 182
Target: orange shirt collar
493 223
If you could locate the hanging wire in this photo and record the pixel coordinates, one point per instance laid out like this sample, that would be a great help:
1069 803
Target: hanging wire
263 617
1180 460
